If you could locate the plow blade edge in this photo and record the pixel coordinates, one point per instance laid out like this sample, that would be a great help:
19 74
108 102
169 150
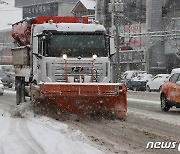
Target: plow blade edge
84 98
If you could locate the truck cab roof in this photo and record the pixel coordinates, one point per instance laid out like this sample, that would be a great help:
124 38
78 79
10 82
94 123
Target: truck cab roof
68 27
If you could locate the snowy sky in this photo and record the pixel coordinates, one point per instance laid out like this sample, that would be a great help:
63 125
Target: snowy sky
9 14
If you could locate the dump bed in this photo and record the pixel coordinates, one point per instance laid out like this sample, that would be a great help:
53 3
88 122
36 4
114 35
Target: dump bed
21 31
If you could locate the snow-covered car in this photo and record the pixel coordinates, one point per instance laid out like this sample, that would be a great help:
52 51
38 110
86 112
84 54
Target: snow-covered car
6 78
156 83
139 82
1 88
129 75
170 92
132 73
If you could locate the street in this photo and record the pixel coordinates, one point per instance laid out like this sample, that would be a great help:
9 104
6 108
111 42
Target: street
22 133
71 57
145 123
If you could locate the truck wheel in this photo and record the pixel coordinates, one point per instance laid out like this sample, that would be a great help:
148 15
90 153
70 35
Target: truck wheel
18 94
164 104
20 97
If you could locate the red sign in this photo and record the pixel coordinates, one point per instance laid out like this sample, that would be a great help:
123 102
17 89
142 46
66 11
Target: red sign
132 28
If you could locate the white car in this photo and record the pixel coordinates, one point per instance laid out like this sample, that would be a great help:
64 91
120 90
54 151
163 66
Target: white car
1 88
156 82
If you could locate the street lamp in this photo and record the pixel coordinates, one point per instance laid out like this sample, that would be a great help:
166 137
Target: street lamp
114 8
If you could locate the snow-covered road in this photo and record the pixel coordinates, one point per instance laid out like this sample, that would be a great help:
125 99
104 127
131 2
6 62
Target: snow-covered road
149 106
41 135
37 135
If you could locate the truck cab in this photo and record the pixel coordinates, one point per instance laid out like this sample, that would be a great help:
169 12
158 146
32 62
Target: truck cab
66 52
66 62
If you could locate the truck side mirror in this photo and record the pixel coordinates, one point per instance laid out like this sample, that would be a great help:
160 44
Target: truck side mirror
112 46
35 44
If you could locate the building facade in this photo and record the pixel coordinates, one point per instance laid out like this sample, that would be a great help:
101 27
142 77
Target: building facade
171 21
33 8
158 35
131 22
6 43
84 8
142 25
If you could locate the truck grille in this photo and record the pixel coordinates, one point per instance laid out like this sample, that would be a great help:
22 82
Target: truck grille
72 69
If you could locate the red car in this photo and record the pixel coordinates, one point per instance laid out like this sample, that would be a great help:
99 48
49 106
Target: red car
170 92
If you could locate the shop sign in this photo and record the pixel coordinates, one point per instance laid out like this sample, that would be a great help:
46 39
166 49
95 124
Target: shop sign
129 56
41 9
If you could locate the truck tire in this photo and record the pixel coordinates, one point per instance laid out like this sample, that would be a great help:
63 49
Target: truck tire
18 97
20 94
164 103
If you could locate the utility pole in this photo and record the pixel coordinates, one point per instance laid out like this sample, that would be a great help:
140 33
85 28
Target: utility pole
96 6
111 9
147 56
112 16
114 8
118 76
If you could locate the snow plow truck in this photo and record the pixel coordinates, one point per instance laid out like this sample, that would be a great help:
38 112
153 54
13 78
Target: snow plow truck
65 61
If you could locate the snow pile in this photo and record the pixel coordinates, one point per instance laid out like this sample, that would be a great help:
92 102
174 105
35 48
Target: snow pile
38 135
41 135
57 138
9 14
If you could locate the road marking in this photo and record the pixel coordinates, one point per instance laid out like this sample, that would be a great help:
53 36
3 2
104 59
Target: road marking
143 101
29 138
9 91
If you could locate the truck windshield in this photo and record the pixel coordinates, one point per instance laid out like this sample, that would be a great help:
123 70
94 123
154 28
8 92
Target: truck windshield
76 44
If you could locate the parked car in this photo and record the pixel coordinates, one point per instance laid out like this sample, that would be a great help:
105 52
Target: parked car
139 82
129 75
156 83
170 91
175 70
132 73
6 79
1 88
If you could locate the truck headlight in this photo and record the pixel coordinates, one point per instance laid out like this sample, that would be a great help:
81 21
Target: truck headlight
64 56
94 57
